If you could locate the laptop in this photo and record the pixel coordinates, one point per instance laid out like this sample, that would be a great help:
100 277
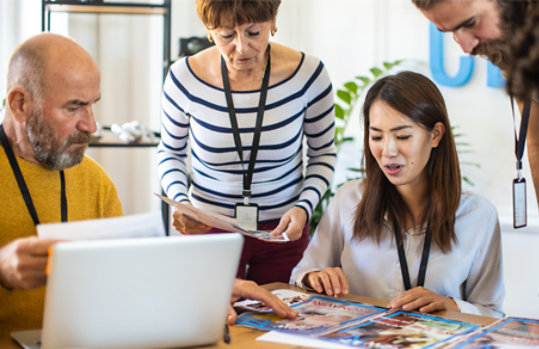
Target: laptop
138 293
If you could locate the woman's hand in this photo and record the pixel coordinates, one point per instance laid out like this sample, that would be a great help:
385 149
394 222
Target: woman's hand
423 300
292 224
185 225
249 289
332 281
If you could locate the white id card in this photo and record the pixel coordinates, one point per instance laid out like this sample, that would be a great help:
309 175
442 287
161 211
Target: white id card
519 203
247 216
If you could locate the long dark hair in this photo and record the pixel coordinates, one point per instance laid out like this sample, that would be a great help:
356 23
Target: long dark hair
418 98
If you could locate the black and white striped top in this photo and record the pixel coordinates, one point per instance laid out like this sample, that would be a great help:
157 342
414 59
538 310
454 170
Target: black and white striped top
195 120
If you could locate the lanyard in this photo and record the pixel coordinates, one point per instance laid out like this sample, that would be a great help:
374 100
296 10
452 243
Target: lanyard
247 176
520 142
22 184
402 257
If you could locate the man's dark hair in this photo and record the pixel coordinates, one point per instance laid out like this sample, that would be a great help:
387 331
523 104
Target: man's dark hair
523 72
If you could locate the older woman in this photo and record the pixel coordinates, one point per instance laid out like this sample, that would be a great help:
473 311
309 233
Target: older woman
241 110
375 237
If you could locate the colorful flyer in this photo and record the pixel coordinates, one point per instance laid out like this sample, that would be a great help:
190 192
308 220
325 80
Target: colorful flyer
508 332
317 314
401 329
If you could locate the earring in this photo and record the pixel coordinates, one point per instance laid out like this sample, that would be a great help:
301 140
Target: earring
273 31
210 39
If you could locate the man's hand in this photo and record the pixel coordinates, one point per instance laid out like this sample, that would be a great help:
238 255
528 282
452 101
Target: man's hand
292 223
332 281
423 300
23 262
249 289
185 225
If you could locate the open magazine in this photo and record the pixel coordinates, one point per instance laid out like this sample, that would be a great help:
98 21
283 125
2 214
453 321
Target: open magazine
218 221
508 332
336 322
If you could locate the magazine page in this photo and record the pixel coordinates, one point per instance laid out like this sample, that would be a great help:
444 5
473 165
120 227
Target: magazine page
317 314
511 332
218 221
400 329
289 297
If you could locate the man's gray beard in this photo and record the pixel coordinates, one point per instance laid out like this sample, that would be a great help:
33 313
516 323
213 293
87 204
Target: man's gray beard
49 152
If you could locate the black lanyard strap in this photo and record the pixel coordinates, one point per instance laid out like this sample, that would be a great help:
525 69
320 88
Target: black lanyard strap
402 257
247 176
521 141
22 183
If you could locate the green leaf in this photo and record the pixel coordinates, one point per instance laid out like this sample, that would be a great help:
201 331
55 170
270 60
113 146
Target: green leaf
387 65
376 72
363 79
345 96
467 180
469 163
351 86
339 112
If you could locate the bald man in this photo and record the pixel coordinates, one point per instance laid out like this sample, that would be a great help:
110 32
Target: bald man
45 177
52 85
486 28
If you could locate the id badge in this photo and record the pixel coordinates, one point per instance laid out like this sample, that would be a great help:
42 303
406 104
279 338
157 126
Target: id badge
247 216
519 203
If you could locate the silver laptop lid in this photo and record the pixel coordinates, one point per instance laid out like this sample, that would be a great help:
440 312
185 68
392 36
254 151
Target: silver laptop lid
140 293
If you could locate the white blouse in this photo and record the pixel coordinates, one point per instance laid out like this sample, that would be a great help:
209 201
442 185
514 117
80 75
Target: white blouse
471 272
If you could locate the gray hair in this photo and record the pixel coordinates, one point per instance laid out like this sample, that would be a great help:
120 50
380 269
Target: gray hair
26 70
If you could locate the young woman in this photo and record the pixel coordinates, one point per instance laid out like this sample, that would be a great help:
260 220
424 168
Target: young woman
406 232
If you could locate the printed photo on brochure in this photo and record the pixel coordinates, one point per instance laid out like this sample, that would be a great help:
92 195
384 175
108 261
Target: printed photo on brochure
508 332
317 314
401 330
289 297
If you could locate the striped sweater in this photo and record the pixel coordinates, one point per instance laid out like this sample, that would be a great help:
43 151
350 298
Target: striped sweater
195 125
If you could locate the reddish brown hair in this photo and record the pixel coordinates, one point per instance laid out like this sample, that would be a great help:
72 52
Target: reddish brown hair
216 13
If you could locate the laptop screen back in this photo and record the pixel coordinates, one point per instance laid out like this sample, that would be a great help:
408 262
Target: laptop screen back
139 293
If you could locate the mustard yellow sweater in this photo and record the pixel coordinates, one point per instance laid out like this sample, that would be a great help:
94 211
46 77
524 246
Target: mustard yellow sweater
90 194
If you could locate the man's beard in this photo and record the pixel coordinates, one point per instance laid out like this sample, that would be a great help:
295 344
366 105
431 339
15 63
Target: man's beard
495 50
49 152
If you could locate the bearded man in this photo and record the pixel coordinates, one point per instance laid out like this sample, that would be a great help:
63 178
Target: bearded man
45 177
486 28
52 85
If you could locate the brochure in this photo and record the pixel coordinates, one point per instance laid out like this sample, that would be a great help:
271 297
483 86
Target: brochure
219 221
317 315
289 297
508 332
400 329
331 322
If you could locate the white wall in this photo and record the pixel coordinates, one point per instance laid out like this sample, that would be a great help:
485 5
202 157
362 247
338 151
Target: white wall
350 36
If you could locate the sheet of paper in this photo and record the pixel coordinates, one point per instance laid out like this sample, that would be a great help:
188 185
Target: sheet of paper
219 221
132 226
302 341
